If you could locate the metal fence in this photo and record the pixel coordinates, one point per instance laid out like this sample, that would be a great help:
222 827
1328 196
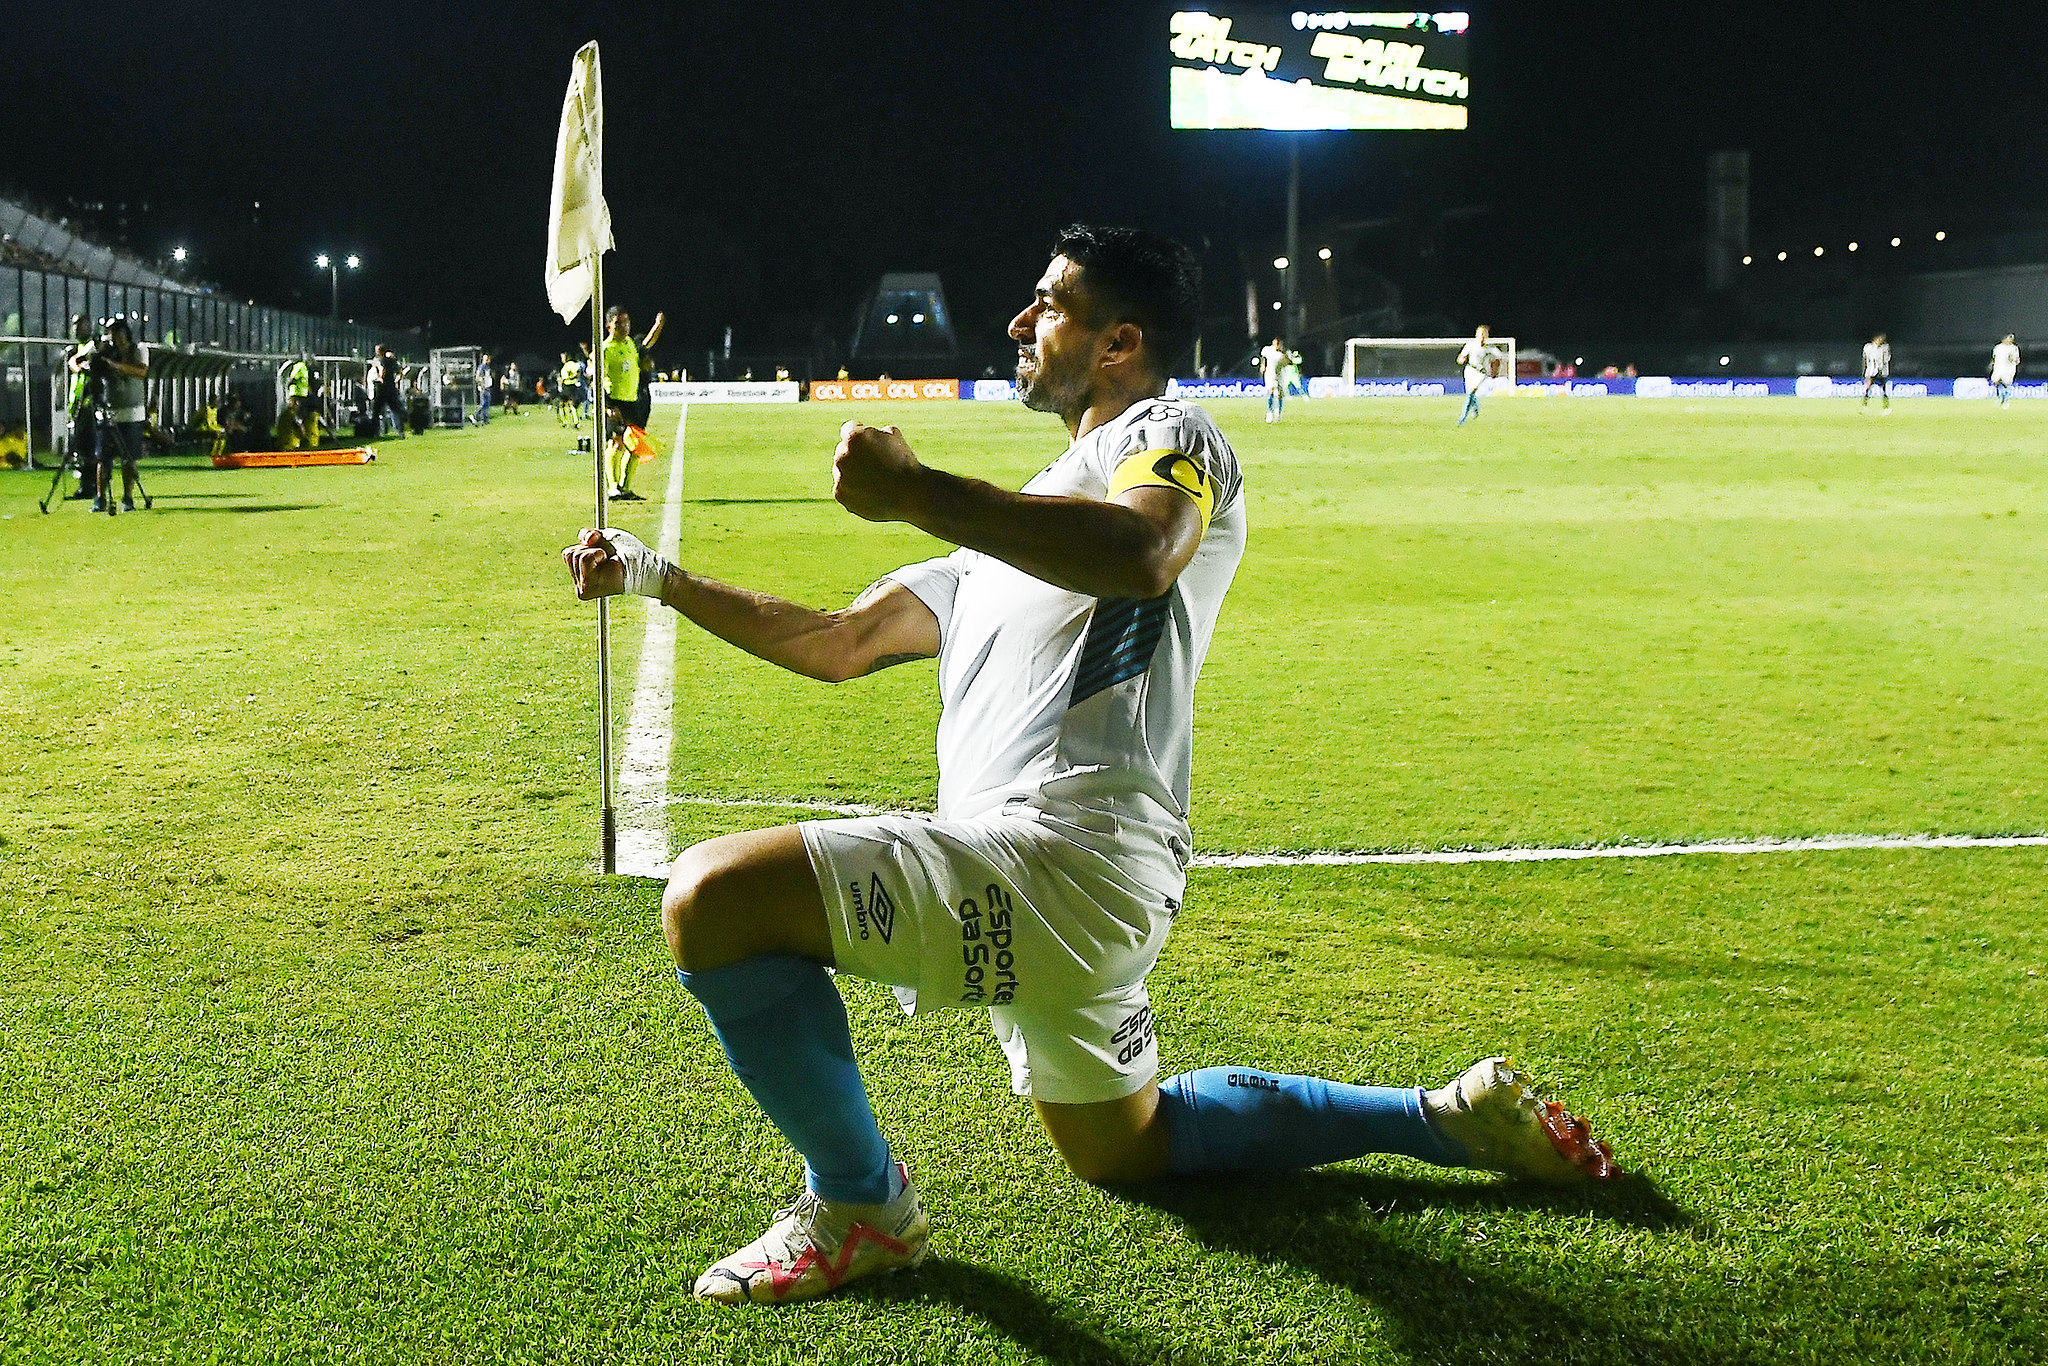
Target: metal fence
36 307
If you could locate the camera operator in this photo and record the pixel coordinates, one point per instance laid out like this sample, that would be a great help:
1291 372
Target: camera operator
82 408
123 371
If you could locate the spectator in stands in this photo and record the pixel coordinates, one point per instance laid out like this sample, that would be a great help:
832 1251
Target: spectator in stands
155 440
384 377
83 408
123 368
208 430
485 379
236 423
418 409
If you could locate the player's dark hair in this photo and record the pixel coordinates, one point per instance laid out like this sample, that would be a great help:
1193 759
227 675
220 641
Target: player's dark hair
1142 277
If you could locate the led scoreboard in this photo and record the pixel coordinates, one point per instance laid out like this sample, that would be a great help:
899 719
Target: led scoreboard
1243 66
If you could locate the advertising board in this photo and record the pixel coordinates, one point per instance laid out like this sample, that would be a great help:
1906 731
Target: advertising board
1244 65
875 390
748 391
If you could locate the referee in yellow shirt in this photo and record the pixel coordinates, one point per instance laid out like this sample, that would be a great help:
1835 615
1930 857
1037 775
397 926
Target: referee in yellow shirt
626 368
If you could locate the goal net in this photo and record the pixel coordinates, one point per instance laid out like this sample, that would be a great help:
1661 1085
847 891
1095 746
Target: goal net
1374 358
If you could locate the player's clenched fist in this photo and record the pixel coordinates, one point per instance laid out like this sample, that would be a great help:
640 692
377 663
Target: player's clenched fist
603 563
874 472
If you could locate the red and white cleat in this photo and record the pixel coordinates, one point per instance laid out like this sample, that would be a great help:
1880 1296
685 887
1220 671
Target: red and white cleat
816 1246
1505 1127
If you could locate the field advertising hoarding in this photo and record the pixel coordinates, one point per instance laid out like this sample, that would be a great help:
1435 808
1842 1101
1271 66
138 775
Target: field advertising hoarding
1244 66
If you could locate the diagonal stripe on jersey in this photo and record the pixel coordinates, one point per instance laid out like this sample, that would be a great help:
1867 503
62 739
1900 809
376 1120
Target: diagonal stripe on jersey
1122 636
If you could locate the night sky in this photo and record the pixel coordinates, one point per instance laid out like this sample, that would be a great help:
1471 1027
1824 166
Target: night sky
765 163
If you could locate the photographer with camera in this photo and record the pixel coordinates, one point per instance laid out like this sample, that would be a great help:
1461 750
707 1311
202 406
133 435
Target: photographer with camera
122 368
82 408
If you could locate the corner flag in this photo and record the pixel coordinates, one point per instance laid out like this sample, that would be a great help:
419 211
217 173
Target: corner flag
579 233
579 224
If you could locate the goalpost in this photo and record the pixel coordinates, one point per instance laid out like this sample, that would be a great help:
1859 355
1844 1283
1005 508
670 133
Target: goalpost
1372 358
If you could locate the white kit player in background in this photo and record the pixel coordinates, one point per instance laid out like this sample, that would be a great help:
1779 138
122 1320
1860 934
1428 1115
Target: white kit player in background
1273 365
1070 627
1477 357
1877 370
2005 368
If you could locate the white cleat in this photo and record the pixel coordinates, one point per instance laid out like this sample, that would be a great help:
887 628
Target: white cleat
1505 1127
815 1246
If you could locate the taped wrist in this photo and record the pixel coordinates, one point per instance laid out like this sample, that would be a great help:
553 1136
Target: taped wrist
645 570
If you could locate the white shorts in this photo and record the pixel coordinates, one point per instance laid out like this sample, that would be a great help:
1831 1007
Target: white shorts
1478 384
1049 916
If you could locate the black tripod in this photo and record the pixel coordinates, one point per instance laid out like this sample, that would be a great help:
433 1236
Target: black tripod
68 465
105 477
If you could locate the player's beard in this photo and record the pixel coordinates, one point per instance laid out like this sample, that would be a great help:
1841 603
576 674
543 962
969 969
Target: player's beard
1043 388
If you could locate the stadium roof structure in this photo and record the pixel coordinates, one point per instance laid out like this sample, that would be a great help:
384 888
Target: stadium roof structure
55 247
904 320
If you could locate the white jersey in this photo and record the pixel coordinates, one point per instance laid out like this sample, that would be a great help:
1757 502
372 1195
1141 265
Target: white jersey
1273 364
1476 357
2005 363
1877 360
1047 693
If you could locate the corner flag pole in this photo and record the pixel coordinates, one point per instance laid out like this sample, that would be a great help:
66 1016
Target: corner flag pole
579 234
608 817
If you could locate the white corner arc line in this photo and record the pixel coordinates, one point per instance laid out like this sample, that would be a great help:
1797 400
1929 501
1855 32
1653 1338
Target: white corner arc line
1815 844
650 734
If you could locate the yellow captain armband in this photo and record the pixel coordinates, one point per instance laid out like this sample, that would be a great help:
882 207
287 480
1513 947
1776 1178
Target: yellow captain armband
1166 470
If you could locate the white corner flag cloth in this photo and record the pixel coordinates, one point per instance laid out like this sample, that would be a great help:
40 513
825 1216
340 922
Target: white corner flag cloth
579 224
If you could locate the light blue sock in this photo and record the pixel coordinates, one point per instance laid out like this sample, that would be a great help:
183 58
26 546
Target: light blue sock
1471 407
1233 1119
784 1030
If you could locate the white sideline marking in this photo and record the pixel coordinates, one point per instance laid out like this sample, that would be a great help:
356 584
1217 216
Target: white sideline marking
1763 846
643 766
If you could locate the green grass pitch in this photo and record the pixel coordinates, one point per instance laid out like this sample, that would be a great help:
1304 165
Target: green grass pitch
321 1041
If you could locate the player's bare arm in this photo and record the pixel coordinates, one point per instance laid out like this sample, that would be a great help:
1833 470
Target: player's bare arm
886 625
1133 546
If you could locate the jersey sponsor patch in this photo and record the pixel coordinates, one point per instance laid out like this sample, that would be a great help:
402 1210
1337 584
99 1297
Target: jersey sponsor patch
1166 470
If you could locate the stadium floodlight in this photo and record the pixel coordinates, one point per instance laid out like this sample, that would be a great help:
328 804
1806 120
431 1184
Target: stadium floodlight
1782 256
1281 263
1748 260
1724 360
894 318
1324 254
333 269
917 317
1941 237
1852 246
1895 241
178 254
1820 251
1277 305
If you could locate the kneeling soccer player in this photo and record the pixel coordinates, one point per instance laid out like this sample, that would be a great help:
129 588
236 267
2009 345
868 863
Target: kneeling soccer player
1069 628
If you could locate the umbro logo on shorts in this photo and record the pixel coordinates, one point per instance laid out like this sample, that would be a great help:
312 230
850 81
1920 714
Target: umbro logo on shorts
875 910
